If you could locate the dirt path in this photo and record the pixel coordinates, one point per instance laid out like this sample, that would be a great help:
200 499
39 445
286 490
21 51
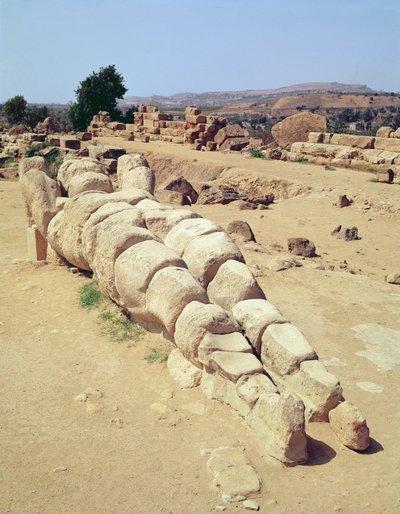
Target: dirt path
141 452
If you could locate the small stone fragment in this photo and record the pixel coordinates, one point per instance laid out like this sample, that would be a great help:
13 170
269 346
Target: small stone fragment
93 408
81 397
301 246
350 426
59 469
344 201
251 505
91 392
238 480
393 278
241 230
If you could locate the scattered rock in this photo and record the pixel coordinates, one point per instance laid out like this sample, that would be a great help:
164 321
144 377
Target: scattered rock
91 392
251 505
117 422
348 234
350 426
59 469
281 263
219 193
93 408
344 201
238 480
181 185
393 278
81 397
241 229
301 246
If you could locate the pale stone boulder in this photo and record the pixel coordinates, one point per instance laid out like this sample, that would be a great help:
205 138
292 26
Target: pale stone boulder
185 374
133 171
315 137
109 209
238 481
149 203
384 132
134 197
384 143
284 348
279 422
205 254
28 163
186 230
169 292
251 387
72 167
195 321
162 220
319 389
254 316
234 342
350 426
225 457
232 365
233 283
297 127
215 387
135 268
39 193
89 181
37 245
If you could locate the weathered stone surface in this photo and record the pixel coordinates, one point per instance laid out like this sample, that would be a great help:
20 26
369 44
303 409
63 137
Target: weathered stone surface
319 389
29 163
225 457
185 374
219 193
251 387
234 144
205 254
89 181
162 219
37 244
169 292
232 365
363 142
241 230
39 193
344 201
385 175
316 137
279 422
233 283
105 152
254 316
388 144
70 143
301 246
230 131
135 268
186 230
215 387
238 480
73 167
284 348
173 197
181 185
195 321
112 238
350 426
384 132
48 126
234 342
348 234
133 172
297 127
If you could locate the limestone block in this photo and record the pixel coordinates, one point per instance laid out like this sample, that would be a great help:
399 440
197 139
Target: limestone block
185 374
169 292
279 422
73 167
148 204
28 163
162 220
135 268
232 365
233 342
254 316
315 137
89 181
186 230
319 389
389 144
205 254
251 387
350 426
384 132
37 244
133 171
225 457
195 321
39 193
363 142
238 480
284 347
113 239
233 283
105 151
216 387
70 143
100 215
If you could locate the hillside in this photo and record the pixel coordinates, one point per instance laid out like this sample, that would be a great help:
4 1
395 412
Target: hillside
227 97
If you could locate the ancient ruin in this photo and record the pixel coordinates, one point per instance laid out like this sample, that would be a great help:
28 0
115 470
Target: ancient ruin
182 276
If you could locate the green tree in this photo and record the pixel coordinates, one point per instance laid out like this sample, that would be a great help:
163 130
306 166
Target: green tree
15 109
98 92
36 114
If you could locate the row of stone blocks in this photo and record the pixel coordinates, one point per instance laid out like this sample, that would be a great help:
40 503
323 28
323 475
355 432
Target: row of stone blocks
182 275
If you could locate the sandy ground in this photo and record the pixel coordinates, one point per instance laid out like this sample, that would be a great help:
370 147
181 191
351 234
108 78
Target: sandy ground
141 452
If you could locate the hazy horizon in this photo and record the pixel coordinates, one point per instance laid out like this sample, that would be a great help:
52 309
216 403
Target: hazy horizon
47 48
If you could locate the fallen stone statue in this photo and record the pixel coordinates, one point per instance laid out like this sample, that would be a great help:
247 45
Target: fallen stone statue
183 276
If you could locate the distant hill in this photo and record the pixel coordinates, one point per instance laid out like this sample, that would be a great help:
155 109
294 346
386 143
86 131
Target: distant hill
215 98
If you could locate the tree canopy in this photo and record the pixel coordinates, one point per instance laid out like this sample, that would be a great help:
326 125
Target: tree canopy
98 92
15 109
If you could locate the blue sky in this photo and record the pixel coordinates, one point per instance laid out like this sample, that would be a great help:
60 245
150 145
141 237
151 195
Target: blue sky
168 46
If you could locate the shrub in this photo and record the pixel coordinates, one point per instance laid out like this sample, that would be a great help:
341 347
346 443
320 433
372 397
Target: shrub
257 153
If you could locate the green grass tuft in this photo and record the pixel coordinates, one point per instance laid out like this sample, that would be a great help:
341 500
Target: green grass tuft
159 354
119 328
257 153
90 295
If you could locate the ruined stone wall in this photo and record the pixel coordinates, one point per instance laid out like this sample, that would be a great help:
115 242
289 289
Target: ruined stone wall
181 275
